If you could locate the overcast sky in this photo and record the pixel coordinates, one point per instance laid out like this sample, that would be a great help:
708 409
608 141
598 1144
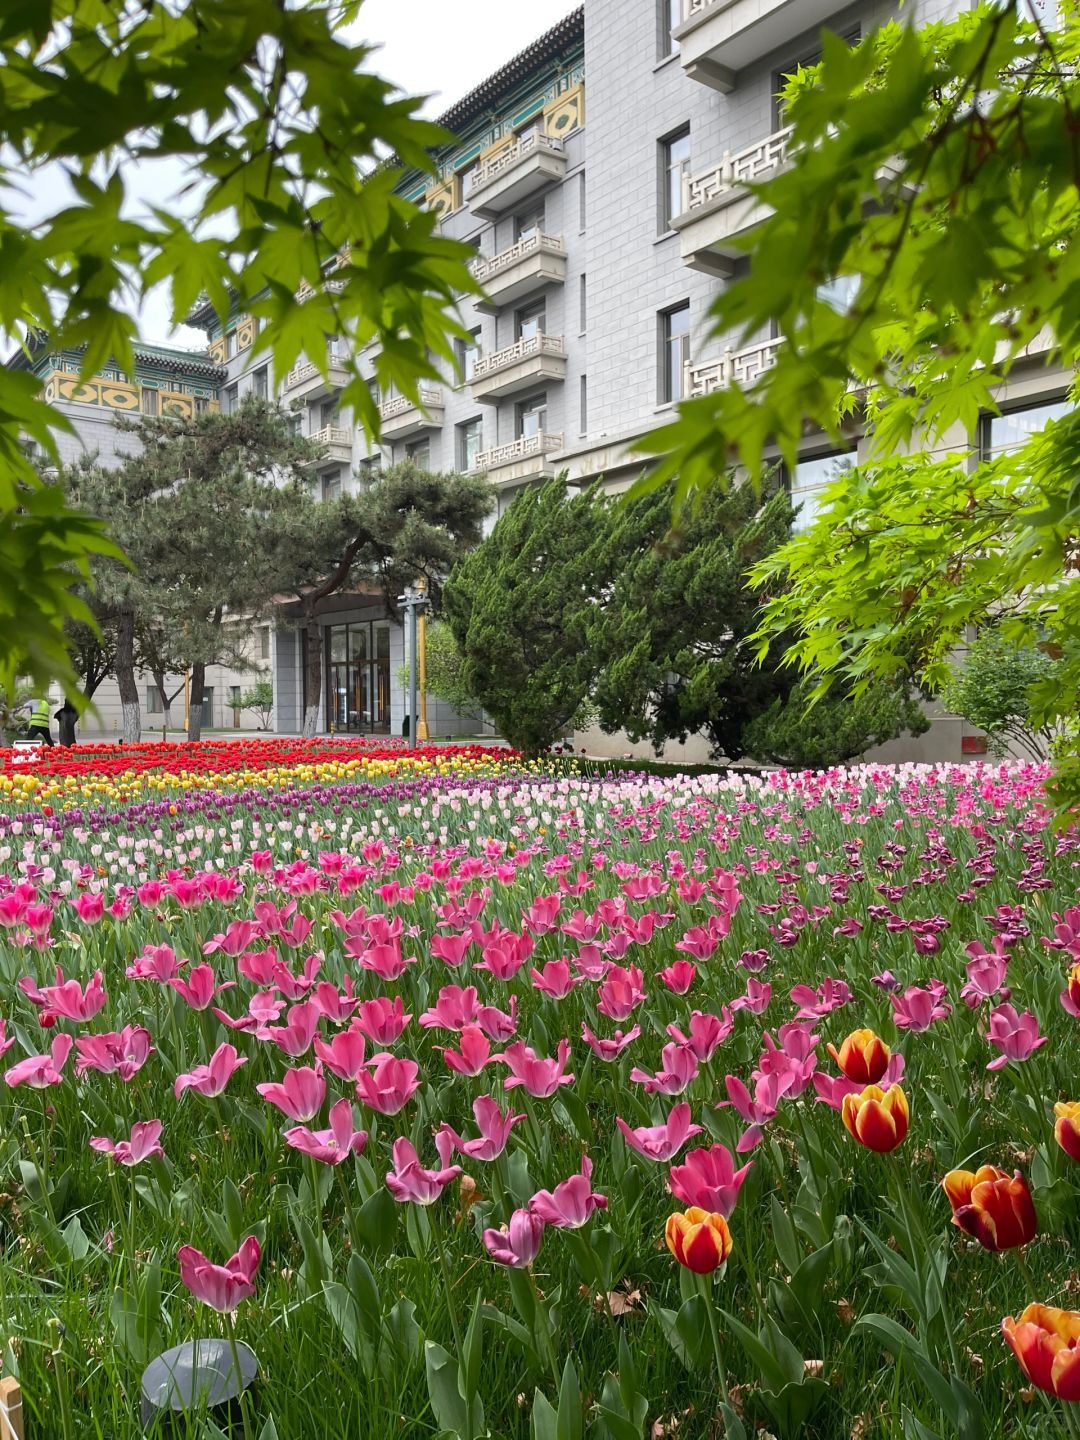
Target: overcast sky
438 48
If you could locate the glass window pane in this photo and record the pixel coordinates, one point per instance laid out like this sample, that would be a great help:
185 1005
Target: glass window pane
339 640
358 642
810 479
1010 431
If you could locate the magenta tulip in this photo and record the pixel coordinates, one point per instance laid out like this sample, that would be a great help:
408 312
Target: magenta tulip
571 1203
222 1287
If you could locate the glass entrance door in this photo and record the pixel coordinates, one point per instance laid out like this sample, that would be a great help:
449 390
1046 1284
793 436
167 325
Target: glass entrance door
358 676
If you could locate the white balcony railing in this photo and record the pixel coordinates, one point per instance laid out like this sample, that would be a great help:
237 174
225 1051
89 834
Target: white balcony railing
522 147
401 404
486 270
735 367
535 345
515 450
697 7
306 370
737 169
332 435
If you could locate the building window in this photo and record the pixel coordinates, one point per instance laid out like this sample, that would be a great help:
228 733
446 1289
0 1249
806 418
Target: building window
469 440
674 352
328 414
529 321
230 345
582 311
234 696
581 202
334 348
669 16
584 426
230 399
260 383
1001 434
529 222
419 454
809 479
149 401
202 404
331 485
674 170
530 416
153 701
809 57
467 353
264 642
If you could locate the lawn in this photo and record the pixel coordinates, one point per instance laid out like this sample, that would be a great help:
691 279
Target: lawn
434 1048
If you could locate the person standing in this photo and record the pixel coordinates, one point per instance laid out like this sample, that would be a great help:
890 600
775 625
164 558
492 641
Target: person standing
39 723
65 717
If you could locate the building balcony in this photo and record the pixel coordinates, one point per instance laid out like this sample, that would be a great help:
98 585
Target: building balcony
519 367
336 441
719 38
520 461
535 261
719 211
307 382
735 367
402 418
524 166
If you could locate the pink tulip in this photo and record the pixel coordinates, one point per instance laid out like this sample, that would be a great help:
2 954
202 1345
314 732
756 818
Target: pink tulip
707 1033
450 948
143 1144
475 1052
263 1007
200 987
295 987
758 1109
237 937
815 1004
505 957
300 1095
679 1067
495 1023
332 1005
68 999
122 1052
39 1071
1016 1036
210 1080
517 1245
295 1037
222 1287
756 999
157 962
917 1009
385 959
90 907
555 979
454 1009
343 1056
5 1042
571 1203
708 1179
330 1147
389 1085
494 1127
541 1078
678 977
409 1181
661 1142
382 1020
543 914
611 1049
620 993
699 941
151 893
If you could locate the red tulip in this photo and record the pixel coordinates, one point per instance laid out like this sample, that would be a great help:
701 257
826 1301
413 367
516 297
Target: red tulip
863 1057
699 1240
1067 1128
877 1119
992 1206
1046 1342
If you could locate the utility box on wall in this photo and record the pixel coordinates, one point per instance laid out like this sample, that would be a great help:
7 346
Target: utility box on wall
973 744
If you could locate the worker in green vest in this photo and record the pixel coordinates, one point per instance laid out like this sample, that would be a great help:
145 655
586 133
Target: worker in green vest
39 723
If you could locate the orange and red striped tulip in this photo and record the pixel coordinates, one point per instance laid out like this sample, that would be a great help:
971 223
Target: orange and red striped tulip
877 1118
699 1240
992 1206
863 1057
1067 1127
1047 1344
1072 990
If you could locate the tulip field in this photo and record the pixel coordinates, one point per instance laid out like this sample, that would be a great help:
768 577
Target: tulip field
480 1098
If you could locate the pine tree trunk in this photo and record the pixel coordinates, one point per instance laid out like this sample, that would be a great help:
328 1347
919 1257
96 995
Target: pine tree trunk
195 694
313 677
125 677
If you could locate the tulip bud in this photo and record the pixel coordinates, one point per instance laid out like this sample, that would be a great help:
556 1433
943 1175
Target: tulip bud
863 1057
875 1118
993 1207
1067 1127
699 1240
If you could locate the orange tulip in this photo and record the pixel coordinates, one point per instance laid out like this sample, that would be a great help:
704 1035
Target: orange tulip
1072 990
1067 1127
698 1240
877 1118
992 1206
1047 1344
863 1057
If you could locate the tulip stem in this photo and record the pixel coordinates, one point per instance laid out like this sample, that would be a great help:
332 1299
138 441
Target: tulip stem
542 1329
946 1318
705 1282
437 1237
241 1393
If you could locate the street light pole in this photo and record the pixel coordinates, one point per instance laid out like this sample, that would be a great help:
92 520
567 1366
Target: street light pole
413 601
421 722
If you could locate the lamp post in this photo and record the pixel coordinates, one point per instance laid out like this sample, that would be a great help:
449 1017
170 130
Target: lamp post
421 723
413 602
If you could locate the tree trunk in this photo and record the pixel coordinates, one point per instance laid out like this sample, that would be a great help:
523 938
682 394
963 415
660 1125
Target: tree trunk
125 677
313 677
195 694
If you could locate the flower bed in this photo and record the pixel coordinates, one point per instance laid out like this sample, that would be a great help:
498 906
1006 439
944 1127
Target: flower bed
539 1106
